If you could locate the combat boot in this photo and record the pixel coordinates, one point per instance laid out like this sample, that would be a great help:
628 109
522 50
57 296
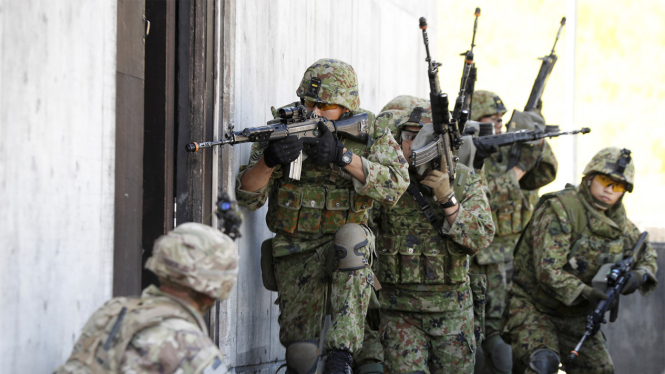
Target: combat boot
338 362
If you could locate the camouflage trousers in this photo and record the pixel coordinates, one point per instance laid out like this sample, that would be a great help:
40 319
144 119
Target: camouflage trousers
528 329
310 286
428 342
496 294
372 350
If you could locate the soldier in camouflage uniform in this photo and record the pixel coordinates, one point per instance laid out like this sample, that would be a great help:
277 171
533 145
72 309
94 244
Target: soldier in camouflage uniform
514 175
573 233
164 331
426 301
322 246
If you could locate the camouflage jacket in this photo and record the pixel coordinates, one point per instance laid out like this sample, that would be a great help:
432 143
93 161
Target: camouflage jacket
512 201
305 214
565 245
158 333
419 269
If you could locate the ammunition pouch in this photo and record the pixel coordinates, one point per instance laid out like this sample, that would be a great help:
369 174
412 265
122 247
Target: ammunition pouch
512 217
407 259
313 209
267 268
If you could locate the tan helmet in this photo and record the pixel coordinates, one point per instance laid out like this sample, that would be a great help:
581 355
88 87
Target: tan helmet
402 102
196 256
486 103
614 162
331 81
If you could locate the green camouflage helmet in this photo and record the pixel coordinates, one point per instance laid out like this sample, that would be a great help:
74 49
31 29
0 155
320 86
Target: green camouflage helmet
402 102
331 81
198 257
486 103
418 115
614 162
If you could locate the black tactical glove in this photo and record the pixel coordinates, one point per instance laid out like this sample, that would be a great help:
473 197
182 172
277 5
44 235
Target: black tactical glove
636 280
282 152
525 156
482 152
325 149
592 294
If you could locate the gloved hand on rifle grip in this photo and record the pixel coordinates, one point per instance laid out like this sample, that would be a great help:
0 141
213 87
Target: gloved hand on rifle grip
636 280
482 152
593 294
282 152
529 155
439 182
324 149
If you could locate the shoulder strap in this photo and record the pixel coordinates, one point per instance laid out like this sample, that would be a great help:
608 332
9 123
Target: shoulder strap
424 205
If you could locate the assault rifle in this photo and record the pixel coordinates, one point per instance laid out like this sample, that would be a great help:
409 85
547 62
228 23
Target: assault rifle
543 74
449 138
469 77
616 280
295 120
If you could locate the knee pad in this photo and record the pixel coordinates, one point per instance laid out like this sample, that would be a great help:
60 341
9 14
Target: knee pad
544 361
501 354
348 240
371 369
302 357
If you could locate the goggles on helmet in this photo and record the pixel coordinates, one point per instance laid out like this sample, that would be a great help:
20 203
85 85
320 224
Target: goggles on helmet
310 103
606 181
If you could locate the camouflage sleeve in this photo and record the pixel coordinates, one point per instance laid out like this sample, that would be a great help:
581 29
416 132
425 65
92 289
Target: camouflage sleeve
173 346
253 200
386 169
551 247
473 228
648 260
545 171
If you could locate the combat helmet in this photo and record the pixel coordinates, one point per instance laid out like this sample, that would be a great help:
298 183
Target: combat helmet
198 257
614 162
402 102
486 103
331 81
417 115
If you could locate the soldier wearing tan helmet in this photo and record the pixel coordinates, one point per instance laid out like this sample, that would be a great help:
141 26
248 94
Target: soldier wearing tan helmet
319 260
514 174
164 330
572 234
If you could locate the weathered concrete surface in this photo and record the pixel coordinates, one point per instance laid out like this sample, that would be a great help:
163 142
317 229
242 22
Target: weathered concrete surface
57 149
275 42
637 338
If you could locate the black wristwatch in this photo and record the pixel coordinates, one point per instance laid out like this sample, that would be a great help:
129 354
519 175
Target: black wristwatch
450 203
347 157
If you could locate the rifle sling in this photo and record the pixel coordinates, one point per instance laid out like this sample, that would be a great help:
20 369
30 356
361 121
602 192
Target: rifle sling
424 205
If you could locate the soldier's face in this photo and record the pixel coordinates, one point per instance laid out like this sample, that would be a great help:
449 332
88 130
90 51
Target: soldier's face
328 111
606 194
496 119
408 134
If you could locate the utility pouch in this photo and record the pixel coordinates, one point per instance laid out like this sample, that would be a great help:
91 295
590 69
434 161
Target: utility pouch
289 197
337 206
313 201
359 206
479 292
267 269
387 247
458 265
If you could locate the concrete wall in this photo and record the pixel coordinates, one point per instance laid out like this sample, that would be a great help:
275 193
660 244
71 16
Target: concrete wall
637 339
57 147
275 42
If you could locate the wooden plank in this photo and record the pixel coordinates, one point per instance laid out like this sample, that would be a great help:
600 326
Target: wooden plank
129 148
159 131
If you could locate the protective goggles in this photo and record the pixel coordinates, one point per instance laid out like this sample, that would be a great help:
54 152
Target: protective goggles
606 181
408 136
310 103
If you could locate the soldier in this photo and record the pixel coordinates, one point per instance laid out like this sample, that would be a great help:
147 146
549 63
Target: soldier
573 233
514 175
322 247
164 331
426 301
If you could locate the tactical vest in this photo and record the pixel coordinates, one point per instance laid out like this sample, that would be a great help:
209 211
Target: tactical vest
414 252
108 333
322 200
589 252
